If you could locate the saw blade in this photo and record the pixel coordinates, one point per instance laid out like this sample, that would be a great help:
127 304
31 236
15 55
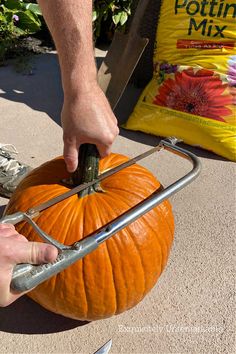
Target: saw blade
38 208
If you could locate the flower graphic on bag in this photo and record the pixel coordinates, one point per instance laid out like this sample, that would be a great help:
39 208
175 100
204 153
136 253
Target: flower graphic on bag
197 92
231 77
232 71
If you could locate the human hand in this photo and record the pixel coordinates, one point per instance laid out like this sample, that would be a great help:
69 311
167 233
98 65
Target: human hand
15 249
87 118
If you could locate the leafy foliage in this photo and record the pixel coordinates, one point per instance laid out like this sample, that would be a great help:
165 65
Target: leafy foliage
110 14
17 19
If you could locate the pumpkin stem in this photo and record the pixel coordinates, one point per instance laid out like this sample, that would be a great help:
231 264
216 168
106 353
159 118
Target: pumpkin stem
88 168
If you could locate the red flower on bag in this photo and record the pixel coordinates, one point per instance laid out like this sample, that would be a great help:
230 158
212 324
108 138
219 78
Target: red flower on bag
198 93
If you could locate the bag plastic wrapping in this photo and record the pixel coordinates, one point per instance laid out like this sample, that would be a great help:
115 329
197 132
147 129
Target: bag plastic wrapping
192 94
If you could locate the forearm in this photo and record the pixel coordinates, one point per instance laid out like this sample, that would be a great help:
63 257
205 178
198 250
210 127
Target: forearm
86 114
70 23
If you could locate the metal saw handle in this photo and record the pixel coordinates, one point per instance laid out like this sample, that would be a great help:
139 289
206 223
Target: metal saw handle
26 276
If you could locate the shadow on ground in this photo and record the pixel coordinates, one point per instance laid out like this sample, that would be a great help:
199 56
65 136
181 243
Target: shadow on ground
41 91
27 317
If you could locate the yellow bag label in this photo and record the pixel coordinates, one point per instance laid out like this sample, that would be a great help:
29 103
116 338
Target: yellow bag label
193 91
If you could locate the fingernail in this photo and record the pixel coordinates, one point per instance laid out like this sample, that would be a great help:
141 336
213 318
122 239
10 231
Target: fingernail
50 254
70 168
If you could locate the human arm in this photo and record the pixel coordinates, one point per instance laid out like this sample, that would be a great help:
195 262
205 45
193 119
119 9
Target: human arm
15 249
86 114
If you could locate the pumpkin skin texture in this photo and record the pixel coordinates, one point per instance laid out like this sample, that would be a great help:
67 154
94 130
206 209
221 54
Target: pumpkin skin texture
116 276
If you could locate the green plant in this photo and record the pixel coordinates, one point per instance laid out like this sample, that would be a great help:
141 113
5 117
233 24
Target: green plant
17 19
109 15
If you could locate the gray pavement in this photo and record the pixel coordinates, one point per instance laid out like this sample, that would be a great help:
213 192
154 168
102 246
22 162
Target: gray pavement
191 309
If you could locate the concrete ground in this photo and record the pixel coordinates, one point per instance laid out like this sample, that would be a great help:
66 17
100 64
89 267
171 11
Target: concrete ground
191 309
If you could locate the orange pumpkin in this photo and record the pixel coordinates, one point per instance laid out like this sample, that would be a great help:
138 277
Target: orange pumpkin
117 275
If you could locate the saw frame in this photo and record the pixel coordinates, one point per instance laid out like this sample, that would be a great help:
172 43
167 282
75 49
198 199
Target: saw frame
27 276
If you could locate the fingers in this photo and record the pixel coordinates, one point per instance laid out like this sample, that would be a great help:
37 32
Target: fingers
70 155
38 253
31 252
16 249
88 119
104 150
103 142
7 230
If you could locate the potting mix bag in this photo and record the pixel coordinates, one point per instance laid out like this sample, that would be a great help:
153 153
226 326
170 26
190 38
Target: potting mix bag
192 95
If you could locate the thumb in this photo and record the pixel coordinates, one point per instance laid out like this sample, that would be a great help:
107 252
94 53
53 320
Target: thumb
71 156
35 253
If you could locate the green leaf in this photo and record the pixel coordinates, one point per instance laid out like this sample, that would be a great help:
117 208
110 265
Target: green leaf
128 11
13 4
33 8
18 31
95 15
2 17
123 18
5 10
28 21
8 16
116 18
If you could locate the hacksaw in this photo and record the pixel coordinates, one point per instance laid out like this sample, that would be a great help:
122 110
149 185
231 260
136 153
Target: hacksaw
27 276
